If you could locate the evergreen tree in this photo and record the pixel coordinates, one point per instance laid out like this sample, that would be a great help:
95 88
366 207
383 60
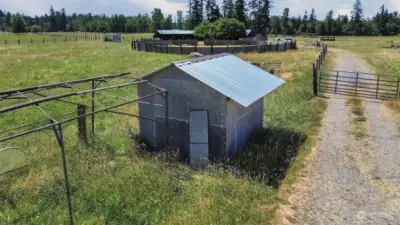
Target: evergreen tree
157 17
195 12
167 23
2 14
356 17
52 20
8 19
63 21
382 21
18 24
311 22
329 22
212 11
285 21
228 8
240 10
303 27
180 19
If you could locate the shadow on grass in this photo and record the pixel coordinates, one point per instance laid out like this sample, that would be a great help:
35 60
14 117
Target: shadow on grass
266 158
268 155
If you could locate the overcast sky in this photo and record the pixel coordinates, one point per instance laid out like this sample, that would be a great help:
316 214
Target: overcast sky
133 7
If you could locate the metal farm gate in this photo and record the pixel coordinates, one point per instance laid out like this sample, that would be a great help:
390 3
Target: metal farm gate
377 86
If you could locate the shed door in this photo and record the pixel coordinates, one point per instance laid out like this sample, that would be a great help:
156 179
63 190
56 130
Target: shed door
198 131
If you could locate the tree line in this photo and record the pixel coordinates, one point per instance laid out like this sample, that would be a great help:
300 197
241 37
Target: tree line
253 14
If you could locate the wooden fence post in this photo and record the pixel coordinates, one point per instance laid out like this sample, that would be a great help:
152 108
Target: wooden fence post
19 41
180 49
315 80
212 49
82 123
5 42
31 40
54 39
43 40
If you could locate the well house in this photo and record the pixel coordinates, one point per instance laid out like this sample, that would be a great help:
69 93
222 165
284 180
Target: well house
214 104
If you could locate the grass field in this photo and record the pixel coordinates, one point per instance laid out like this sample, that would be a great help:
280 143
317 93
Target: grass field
111 181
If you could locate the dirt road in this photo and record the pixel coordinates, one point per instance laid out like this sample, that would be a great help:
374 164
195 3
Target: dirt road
353 180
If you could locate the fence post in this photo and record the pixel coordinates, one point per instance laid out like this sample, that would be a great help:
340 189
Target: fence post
355 94
132 45
315 80
43 40
180 49
5 42
166 118
212 49
337 80
377 86
54 39
31 40
82 122
19 41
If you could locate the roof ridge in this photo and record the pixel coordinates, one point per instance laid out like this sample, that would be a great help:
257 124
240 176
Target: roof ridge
202 59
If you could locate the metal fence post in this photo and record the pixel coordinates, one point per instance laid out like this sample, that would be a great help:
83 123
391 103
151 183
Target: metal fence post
82 122
355 94
166 118
60 140
377 86
337 80
315 80
93 95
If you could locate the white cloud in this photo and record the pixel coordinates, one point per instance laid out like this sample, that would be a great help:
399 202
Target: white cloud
344 11
396 4
166 6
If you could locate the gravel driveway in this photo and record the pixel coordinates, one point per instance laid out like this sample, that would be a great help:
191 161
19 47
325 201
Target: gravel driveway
354 181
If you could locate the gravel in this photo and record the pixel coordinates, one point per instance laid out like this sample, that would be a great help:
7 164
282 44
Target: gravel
354 181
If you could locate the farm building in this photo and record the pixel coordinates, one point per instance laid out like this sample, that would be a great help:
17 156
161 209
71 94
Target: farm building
174 34
114 37
214 105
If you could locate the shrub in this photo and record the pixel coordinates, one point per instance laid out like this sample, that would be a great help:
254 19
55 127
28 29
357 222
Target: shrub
36 29
228 29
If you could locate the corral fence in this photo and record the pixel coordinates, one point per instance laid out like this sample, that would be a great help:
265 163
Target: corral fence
317 67
358 84
211 46
57 38
271 67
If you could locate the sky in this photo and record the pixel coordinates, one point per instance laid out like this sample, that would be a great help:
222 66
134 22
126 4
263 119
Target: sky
133 7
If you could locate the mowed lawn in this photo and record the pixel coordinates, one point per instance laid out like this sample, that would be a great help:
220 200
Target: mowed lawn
111 182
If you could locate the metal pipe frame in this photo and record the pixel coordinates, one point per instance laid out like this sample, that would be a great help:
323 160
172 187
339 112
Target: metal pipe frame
59 85
74 118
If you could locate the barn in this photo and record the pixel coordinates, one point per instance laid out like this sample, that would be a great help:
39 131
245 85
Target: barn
214 104
174 34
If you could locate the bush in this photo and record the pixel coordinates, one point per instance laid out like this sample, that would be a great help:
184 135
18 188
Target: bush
227 29
36 29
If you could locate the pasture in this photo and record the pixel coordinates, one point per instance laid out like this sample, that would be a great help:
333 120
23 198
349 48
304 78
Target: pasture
112 180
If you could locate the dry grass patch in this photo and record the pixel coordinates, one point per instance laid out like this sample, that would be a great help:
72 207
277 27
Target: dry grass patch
358 117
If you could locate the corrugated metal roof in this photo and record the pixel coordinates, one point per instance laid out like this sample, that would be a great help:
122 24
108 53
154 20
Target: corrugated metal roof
176 32
232 77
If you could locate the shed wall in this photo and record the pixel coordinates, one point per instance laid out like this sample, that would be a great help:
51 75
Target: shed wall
241 123
184 94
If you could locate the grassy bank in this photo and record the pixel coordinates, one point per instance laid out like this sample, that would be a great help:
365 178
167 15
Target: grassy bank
112 180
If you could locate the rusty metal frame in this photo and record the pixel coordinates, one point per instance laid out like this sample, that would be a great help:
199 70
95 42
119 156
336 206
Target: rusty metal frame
56 125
